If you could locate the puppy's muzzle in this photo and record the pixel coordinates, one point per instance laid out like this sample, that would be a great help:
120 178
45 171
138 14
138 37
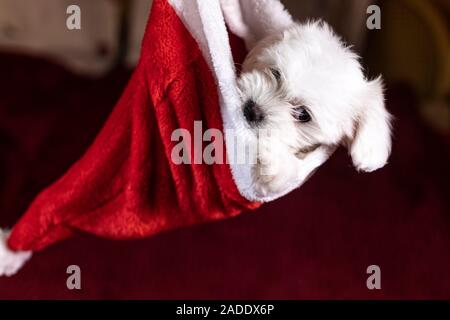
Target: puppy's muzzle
252 112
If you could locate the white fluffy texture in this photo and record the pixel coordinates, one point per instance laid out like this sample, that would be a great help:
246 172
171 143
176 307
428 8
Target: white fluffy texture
371 145
205 22
10 261
252 20
320 73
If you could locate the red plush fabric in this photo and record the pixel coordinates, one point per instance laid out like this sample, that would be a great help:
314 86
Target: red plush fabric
126 185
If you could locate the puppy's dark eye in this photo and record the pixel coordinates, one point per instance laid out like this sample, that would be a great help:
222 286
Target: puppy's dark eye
276 73
301 114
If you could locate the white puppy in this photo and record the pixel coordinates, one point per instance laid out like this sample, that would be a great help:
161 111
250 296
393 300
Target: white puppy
303 89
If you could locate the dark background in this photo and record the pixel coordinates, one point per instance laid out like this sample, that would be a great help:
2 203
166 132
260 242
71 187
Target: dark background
58 87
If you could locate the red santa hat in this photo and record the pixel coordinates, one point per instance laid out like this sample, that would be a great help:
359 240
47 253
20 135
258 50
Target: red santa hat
126 185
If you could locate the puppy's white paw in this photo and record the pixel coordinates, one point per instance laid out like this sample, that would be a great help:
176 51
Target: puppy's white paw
369 158
267 185
274 172
319 156
313 160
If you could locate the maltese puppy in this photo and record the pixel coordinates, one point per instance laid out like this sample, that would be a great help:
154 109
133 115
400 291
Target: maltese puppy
303 90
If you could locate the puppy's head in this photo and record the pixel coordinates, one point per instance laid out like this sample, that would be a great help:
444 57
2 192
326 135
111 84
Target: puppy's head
305 84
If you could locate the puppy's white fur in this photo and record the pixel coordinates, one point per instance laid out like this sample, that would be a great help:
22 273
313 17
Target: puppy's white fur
319 72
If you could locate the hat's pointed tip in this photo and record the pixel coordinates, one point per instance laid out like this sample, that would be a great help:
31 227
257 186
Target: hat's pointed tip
10 261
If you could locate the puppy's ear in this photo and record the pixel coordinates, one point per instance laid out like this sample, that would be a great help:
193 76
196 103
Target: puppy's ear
371 144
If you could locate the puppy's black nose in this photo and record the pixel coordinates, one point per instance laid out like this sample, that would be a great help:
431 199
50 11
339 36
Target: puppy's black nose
252 112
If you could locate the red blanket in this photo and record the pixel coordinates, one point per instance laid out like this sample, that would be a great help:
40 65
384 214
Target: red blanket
314 243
